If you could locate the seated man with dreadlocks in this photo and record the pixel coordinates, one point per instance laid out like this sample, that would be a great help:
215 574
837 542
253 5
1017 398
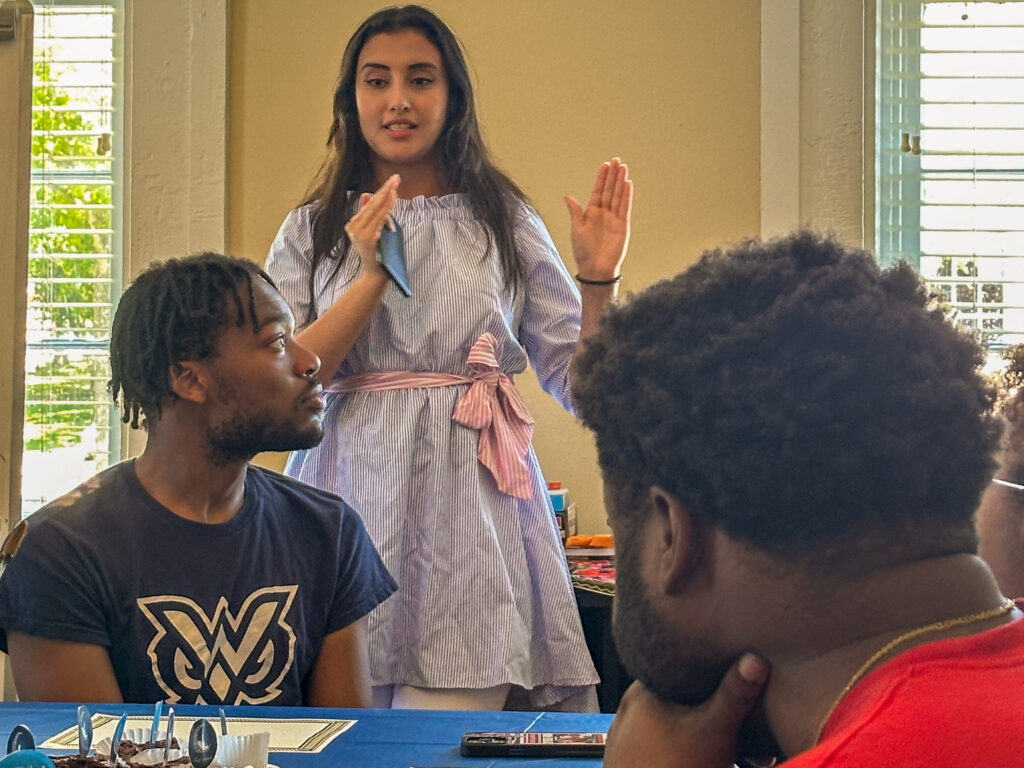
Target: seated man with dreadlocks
188 575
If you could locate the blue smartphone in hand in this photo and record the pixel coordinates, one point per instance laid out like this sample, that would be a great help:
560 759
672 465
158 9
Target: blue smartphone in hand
391 256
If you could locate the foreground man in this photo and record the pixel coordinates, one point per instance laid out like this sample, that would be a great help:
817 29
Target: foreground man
792 447
187 574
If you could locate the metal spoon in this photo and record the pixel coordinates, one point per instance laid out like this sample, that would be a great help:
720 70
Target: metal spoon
84 730
170 734
202 743
154 729
223 723
21 738
115 741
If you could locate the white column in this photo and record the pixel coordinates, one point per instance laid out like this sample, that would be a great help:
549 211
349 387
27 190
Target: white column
15 164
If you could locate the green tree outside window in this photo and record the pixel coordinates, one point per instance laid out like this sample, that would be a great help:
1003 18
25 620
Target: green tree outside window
69 268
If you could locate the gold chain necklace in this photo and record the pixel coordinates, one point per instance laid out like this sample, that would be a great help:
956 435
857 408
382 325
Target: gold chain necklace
1005 607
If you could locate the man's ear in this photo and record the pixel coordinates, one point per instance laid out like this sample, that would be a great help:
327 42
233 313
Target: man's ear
187 380
678 540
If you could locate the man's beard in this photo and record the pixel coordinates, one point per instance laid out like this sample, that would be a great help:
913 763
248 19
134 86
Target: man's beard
651 652
659 659
246 434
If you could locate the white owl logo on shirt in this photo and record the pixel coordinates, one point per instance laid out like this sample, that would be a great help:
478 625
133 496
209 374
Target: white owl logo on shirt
229 658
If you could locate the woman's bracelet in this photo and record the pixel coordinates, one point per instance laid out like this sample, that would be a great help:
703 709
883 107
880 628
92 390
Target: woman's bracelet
613 281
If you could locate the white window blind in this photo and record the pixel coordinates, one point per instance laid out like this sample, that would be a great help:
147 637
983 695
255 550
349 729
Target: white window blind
71 430
950 135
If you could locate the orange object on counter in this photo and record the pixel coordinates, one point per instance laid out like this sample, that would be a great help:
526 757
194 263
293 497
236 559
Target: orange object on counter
594 541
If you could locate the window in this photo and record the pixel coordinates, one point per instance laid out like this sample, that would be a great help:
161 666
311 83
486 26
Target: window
71 428
950 151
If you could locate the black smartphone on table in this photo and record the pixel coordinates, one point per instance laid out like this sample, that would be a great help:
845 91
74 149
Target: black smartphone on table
533 744
391 255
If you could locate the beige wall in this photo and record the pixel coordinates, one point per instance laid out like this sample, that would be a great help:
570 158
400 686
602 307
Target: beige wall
672 86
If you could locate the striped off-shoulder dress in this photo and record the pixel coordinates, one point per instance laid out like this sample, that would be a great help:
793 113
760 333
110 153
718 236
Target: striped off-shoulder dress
484 596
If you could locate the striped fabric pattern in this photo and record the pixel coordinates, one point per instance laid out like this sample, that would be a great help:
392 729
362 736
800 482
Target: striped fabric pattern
495 407
484 591
492 405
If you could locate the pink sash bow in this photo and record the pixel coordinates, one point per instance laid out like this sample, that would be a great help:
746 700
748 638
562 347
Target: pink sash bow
492 405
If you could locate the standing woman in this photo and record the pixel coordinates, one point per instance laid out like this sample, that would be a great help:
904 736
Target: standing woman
426 436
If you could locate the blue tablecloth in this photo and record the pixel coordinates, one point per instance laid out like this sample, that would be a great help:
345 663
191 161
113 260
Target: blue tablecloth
381 738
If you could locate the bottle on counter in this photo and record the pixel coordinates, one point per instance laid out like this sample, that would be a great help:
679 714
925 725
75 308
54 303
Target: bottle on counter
565 512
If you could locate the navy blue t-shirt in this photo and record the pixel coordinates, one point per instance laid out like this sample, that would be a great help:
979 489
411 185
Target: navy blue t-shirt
232 613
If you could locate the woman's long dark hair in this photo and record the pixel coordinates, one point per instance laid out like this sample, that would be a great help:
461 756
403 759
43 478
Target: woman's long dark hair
493 196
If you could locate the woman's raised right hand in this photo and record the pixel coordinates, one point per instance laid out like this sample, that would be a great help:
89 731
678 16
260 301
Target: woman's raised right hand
364 228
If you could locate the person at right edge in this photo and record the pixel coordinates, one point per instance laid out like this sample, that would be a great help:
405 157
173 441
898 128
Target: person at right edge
793 445
999 518
426 435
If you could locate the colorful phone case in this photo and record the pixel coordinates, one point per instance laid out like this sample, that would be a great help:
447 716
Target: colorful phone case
533 743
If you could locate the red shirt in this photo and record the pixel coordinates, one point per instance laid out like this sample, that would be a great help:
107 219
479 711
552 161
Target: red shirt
956 702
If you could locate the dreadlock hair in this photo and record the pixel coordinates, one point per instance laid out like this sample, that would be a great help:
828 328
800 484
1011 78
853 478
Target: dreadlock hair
174 311
467 164
797 397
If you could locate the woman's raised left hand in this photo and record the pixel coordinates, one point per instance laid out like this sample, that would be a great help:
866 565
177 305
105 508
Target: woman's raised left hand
600 232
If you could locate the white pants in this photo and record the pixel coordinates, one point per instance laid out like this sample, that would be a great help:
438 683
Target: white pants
410 697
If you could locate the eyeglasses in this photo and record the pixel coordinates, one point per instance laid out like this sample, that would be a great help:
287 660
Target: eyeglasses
1008 484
